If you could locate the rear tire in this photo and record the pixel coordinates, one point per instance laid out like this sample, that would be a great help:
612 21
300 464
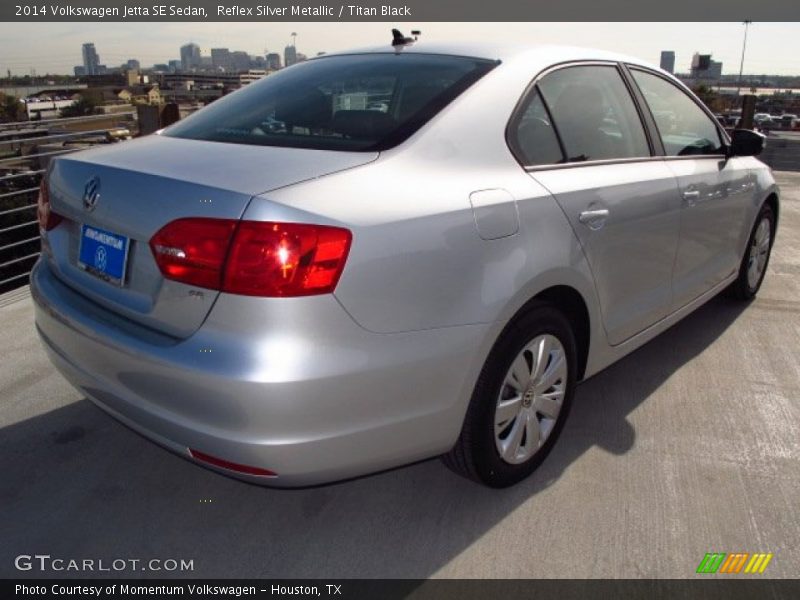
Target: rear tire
512 423
756 257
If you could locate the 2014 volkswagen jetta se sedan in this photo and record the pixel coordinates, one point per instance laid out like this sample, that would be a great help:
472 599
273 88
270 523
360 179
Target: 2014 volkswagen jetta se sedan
382 256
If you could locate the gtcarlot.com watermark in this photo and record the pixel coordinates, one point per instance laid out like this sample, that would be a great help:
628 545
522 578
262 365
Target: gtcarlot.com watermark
47 563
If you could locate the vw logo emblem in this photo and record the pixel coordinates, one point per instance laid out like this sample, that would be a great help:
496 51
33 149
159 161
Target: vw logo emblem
100 258
91 193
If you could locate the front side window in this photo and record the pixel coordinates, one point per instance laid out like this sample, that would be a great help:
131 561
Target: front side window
594 113
684 127
362 102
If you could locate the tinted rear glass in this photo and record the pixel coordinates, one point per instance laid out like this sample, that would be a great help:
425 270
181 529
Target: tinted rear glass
356 102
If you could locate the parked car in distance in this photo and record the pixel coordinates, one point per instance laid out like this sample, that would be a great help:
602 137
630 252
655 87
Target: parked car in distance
358 289
788 120
763 119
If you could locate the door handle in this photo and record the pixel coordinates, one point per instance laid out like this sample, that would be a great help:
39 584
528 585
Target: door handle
594 219
691 197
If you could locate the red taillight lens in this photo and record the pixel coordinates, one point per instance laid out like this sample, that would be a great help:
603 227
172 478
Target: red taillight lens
285 259
47 218
193 250
263 258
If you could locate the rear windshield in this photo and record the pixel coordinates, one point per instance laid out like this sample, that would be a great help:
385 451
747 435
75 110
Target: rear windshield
361 102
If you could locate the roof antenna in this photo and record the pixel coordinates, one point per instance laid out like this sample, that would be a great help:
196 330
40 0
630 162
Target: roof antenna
398 39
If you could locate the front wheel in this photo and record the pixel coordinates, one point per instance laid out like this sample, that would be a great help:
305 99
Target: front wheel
756 258
520 402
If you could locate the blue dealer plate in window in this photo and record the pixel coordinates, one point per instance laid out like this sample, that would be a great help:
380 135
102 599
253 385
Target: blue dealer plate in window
103 254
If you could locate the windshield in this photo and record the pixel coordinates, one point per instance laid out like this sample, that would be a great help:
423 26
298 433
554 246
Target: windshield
363 102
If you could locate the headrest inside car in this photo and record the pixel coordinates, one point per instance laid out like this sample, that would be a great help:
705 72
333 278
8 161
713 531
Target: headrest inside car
362 123
308 108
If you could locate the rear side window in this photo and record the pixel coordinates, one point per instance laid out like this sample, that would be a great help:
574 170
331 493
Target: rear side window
594 113
533 137
357 102
684 127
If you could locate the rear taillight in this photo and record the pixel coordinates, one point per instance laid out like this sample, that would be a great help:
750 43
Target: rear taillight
253 258
193 250
285 259
47 218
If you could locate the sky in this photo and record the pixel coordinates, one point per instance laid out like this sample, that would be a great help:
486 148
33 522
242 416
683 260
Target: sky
772 48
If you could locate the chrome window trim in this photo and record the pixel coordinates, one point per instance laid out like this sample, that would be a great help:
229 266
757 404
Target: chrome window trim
615 161
592 163
697 157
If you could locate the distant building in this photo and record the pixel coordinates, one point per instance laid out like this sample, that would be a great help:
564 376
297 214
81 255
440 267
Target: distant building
147 94
289 55
273 61
197 81
715 70
47 109
140 94
668 61
125 95
190 57
703 68
241 60
221 59
133 77
91 60
301 57
251 75
207 84
112 79
699 62
79 71
133 65
174 65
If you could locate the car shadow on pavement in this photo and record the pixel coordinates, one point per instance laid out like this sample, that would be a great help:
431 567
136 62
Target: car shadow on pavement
76 484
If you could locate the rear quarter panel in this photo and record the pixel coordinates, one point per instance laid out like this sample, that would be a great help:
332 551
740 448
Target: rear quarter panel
417 260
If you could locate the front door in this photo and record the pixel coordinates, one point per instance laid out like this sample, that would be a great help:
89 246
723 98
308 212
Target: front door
714 189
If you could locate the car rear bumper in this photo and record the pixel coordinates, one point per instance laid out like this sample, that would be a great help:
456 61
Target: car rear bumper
294 386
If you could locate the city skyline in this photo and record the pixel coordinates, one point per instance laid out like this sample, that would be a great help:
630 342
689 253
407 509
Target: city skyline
773 48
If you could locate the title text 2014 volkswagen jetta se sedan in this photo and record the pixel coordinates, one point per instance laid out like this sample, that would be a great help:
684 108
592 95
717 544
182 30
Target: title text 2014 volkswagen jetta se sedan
382 256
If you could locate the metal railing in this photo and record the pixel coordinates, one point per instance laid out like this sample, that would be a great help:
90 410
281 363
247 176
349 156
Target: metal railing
20 176
16 125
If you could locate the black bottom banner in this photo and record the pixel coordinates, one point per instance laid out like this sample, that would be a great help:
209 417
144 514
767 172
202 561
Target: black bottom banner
390 589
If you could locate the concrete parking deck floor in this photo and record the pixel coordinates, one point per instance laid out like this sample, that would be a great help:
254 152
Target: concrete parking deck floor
690 445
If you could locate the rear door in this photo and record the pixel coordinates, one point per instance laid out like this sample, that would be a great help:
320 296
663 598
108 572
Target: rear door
715 191
580 135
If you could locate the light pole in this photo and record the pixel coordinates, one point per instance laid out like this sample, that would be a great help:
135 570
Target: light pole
741 65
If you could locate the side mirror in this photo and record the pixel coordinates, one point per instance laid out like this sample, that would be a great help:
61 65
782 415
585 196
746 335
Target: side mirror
745 142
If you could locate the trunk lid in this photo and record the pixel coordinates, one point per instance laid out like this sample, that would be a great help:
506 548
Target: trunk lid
144 184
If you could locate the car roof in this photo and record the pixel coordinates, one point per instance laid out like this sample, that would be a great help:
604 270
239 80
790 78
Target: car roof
504 52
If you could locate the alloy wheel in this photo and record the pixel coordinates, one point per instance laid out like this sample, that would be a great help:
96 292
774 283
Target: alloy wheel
530 399
759 252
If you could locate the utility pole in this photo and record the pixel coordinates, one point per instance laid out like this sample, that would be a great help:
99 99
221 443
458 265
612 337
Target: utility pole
741 65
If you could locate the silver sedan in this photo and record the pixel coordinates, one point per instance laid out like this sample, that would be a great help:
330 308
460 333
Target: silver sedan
386 255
